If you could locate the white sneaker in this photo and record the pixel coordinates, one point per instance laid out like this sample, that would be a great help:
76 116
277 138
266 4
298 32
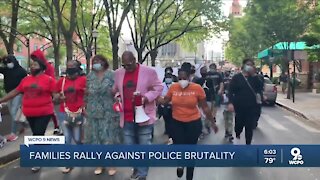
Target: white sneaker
170 141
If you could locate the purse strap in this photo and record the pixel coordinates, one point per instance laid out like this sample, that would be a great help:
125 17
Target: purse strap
254 93
64 102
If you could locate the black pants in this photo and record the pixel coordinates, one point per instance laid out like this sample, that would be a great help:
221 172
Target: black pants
246 118
167 116
186 133
39 124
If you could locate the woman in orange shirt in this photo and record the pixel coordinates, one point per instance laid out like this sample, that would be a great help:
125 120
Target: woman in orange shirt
186 98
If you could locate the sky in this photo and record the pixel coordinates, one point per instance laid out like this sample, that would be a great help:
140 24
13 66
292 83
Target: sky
215 44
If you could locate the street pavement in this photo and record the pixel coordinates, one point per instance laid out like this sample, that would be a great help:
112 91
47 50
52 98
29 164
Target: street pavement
276 126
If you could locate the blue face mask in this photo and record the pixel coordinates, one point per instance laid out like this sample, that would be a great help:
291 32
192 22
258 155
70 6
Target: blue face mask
97 66
168 80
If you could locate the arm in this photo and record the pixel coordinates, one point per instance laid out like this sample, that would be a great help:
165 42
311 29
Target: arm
231 94
204 106
9 96
163 100
155 89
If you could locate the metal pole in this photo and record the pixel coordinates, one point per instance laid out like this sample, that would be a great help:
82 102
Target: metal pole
28 43
294 77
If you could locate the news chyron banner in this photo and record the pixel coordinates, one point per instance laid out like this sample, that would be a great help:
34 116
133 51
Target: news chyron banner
60 155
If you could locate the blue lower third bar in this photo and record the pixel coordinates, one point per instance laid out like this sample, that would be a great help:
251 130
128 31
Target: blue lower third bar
169 156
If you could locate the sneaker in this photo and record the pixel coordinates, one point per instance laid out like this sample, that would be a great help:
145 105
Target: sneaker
2 141
56 131
170 141
35 169
180 172
12 137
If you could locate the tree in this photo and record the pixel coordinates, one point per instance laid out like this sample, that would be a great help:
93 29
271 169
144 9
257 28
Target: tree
9 23
41 18
116 12
89 17
157 23
279 21
67 25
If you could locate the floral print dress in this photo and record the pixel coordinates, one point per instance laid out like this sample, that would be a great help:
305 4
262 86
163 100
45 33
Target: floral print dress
102 126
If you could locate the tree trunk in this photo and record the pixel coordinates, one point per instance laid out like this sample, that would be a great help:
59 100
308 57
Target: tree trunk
69 46
140 59
88 57
153 55
115 48
56 53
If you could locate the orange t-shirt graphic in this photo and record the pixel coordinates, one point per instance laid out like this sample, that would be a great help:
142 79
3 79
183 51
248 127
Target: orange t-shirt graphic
185 101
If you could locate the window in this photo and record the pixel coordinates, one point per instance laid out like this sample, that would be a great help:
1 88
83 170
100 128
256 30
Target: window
19 47
169 50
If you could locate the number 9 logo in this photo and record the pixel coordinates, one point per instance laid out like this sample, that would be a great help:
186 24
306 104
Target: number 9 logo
296 153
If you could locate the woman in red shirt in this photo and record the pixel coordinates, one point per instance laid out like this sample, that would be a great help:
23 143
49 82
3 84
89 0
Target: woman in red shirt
37 106
71 89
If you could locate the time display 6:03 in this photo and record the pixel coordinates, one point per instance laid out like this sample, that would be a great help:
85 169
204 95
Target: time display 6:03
270 152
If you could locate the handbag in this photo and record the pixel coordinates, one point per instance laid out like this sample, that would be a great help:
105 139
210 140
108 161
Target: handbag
20 117
257 95
73 118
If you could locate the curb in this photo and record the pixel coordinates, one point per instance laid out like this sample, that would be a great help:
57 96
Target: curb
293 111
10 157
15 154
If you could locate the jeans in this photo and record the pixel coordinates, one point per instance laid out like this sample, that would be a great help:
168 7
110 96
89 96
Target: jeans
135 134
70 132
13 106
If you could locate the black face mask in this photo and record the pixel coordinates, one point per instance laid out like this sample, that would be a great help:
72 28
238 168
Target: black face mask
35 72
72 71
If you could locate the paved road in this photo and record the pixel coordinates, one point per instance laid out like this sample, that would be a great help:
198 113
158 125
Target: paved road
276 126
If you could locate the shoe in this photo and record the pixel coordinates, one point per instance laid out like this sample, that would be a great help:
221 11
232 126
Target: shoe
112 171
66 170
35 169
180 172
142 178
98 171
170 141
134 175
231 139
56 131
12 137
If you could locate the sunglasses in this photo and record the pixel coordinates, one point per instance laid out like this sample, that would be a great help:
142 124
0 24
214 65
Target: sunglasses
126 65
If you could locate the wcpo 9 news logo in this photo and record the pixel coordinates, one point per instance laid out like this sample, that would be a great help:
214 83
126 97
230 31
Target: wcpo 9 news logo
297 157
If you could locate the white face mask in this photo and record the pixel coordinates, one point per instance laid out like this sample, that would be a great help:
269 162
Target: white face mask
183 83
10 65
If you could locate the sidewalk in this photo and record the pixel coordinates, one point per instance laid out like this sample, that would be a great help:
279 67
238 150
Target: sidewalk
306 105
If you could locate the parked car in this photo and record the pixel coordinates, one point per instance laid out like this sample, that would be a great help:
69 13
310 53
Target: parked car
270 92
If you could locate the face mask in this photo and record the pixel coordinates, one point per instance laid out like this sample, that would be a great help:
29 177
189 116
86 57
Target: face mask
203 74
35 72
168 72
168 80
183 83
10 65
97 66
72 71
212 70
247 68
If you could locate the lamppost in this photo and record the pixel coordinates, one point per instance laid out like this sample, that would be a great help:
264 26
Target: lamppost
95 35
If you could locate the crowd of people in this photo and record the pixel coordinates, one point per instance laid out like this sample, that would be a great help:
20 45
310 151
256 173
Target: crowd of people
88 113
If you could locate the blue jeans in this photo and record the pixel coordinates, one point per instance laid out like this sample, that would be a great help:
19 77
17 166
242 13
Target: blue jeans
13 105
135 134
70 132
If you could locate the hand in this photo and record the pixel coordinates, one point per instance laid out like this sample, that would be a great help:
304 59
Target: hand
160 100
215 128
230 108
220 92
265 98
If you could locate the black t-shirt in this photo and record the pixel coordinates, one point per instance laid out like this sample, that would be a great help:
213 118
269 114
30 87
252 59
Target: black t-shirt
207 86
216 79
